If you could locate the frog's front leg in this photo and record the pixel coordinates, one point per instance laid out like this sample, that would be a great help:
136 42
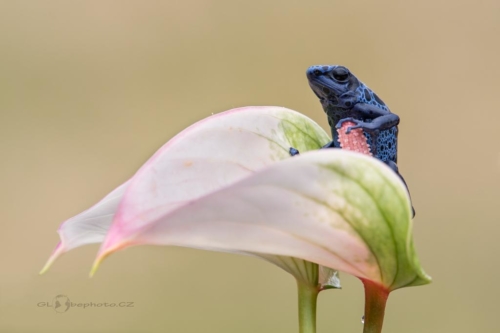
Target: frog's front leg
382 119
335 135
395 168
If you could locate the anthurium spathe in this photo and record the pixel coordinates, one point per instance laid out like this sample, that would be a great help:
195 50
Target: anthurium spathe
207 156
228 183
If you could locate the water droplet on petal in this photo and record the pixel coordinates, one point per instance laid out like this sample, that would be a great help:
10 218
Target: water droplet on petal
363 319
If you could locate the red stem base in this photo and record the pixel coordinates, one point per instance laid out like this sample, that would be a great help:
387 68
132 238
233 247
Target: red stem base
375 301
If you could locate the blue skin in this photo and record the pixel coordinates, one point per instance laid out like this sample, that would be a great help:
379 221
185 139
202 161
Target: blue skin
345 98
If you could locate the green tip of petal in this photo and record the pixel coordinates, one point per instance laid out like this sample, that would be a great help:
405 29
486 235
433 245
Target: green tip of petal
100 257
422 280
55 254
104 252
45 268
94 268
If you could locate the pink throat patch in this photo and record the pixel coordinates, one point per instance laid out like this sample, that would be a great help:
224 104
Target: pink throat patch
355 140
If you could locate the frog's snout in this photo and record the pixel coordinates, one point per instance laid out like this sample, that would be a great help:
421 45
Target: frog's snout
316 71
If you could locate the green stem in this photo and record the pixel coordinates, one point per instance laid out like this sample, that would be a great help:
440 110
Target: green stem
375 301
307 307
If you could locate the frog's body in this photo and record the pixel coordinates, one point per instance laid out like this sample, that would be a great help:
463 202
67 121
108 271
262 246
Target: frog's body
351 99
345 98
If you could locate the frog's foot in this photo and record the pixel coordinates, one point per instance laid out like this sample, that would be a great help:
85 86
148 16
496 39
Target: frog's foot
293 151
341 121
359 124
395 168
368 127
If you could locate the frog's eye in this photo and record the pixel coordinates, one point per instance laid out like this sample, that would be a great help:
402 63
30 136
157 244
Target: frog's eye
340 74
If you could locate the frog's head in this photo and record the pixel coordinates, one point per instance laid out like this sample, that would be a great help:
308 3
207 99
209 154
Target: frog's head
333 85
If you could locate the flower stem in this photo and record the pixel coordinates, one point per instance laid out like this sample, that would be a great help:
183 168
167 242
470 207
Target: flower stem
375 301
308 295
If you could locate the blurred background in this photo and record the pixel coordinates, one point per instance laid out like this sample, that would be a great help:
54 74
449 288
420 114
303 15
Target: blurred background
90 89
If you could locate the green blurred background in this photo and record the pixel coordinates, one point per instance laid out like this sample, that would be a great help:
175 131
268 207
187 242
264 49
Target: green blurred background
90 89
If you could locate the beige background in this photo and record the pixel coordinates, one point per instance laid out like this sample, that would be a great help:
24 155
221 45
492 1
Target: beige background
90 89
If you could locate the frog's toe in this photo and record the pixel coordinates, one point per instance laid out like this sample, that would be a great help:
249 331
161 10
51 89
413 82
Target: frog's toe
341 121
350 128
293 151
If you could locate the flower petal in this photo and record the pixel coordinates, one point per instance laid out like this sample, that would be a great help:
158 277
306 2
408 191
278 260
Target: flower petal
215 153
207 156
336 208
87 227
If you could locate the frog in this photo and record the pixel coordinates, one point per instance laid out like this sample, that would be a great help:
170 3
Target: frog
345 98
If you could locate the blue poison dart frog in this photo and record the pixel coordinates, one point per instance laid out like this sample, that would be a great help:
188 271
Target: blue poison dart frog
345 98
